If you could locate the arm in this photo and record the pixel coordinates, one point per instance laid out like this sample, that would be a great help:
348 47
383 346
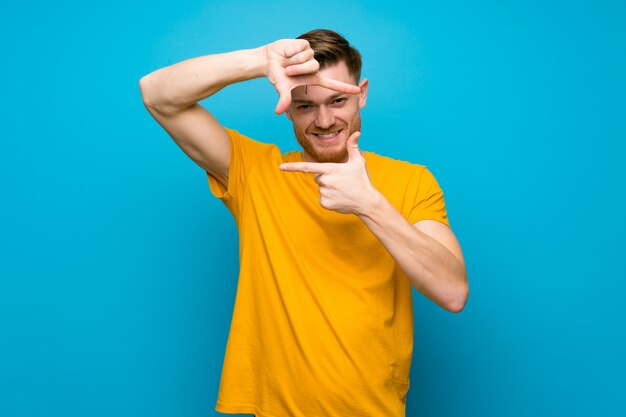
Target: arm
427 252
171 94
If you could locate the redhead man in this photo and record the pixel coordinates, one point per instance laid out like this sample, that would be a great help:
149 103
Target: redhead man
332 238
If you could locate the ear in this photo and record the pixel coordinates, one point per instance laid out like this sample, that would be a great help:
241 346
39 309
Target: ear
288 114
363 94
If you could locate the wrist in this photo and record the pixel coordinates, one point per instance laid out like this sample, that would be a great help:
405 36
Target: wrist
372 204
260 58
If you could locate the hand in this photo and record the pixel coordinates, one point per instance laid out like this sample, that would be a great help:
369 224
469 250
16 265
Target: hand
290 63
344 187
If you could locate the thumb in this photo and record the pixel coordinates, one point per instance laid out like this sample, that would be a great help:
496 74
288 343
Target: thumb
352 144
284 99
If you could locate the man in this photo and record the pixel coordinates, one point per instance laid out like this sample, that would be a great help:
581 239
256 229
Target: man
331 238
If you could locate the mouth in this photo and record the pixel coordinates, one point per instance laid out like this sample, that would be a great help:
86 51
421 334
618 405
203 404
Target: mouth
327 136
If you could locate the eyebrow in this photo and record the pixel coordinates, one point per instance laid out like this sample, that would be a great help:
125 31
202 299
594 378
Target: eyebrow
331 98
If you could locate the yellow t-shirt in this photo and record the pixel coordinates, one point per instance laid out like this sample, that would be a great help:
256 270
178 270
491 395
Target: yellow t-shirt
323 317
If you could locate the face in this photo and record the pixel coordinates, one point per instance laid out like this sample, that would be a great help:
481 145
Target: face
323 119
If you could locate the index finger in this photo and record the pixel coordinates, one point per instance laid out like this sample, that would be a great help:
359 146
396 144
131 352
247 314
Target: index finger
336 85
314 167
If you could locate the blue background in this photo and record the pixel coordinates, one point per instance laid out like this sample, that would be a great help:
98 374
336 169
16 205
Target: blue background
118 268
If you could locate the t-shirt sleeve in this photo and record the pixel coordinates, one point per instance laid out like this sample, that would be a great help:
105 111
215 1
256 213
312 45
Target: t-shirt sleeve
244 153
428 203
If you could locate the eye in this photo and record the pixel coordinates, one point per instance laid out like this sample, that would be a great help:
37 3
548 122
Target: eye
340 100
303 107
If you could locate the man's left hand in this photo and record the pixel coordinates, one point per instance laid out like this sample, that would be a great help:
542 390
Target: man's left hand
344 187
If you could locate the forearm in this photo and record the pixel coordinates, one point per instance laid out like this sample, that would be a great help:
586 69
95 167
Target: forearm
178 86
433 269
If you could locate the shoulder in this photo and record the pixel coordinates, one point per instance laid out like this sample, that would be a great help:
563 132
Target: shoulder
292 156
236 135
384 164
247 145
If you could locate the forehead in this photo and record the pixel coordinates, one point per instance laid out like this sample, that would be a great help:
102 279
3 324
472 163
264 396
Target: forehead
338 71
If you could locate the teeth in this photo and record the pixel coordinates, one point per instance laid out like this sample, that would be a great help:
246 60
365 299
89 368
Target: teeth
327 135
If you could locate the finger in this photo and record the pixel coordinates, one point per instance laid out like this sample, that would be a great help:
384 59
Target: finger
337 85
314 167
284 101
305 68
284 98
295 46
301 57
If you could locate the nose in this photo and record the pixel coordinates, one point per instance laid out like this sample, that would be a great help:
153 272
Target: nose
324 117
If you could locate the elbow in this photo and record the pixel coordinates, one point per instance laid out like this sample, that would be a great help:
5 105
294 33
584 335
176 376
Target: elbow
457 306
457 303
154 99
144 88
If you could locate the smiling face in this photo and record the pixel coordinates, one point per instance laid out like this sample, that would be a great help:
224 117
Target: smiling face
323 119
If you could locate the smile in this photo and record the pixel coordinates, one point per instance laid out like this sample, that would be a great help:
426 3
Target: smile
329 135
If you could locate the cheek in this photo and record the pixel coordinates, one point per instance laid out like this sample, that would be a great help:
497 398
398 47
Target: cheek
350 110
302 122
347 115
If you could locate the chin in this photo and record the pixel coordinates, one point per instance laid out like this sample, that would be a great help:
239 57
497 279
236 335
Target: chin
337 156
337 152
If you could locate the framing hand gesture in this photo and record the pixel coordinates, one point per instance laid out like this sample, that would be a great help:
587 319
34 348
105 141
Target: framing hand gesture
290 63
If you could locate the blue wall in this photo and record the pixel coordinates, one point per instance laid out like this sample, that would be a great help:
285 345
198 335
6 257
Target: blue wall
118 268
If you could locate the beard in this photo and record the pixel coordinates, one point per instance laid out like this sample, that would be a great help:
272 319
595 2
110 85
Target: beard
324 154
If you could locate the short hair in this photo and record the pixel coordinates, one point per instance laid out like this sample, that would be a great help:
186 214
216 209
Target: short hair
330 48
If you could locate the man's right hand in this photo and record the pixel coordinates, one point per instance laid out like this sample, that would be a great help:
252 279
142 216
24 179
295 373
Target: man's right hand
290 63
